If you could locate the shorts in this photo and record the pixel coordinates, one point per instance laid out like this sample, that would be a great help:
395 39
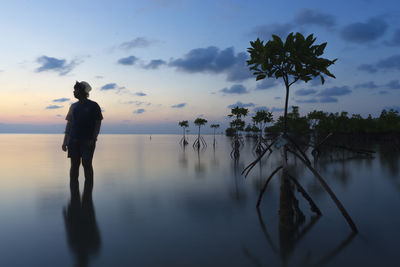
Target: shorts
80 149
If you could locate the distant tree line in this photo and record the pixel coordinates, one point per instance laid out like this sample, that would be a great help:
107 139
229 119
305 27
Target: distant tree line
319 121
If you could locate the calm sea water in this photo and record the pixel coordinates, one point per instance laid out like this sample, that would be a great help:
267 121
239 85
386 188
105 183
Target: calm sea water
155 204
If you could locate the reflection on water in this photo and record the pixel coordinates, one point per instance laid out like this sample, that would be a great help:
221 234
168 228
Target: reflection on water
158 204
83 234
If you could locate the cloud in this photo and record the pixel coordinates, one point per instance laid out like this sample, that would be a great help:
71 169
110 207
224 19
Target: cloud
304 92
112 87
181 105
137 103
235 89
260 108
335 91
213 60
99 77
140 94
274 109
314 17
266 84
61 99
129 61
264 32
389 63
59 116
109 86
241 105
154 64
364 32
328 99
393 84
139 111
368 68
54 107
311 100
395 41
54 64
368 85
277 97
383 92
138 42
209 59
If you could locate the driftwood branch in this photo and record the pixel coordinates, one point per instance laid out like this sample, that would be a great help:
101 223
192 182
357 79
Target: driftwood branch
330 192
303 192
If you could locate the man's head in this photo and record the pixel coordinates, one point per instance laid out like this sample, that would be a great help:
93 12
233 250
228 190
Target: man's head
82 89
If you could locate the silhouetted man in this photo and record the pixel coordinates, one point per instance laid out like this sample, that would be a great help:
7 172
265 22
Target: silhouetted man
84 120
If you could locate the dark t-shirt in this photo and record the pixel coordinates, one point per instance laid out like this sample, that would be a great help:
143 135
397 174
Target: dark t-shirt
83 117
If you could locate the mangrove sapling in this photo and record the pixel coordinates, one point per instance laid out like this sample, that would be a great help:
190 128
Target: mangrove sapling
199 140
261 118
296 59
184 125
238 125
215 127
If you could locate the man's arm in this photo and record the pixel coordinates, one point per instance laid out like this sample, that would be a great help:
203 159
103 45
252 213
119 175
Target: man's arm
67 128
97 126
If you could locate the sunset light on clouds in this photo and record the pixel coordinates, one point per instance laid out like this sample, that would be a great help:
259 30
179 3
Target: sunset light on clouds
154 63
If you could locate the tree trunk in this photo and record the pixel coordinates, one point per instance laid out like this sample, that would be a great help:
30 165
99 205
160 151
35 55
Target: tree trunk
286 107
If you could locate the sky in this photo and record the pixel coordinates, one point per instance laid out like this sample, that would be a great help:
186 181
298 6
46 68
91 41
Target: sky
154 63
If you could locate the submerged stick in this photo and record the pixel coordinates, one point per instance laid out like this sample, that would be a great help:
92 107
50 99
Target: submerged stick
266 184
313 206
330 192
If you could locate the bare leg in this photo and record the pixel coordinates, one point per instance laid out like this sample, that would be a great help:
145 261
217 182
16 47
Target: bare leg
88 170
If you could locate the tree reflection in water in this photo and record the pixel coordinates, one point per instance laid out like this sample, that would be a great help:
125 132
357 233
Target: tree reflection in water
83 234
290 235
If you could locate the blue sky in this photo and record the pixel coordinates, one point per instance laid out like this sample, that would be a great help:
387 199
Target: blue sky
154 63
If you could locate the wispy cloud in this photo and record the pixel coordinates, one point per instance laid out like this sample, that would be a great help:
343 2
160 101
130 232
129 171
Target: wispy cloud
139 111
368 85
304 92
364 32
328 99
54 64
214 60
241 105
266 84
395 40
61 99
138 42
128 61
111 87
335 91
387 64
155 64
140 94
181 105
235 89
395 84
260 108
307 16
311 100
54 107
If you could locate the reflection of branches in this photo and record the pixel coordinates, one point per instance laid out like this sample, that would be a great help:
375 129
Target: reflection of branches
292 237
328 258
330 192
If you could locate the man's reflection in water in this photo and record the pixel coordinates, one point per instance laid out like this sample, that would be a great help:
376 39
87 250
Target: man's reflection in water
80 223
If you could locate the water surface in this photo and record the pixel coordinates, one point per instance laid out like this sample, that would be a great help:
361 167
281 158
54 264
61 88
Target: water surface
156 204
